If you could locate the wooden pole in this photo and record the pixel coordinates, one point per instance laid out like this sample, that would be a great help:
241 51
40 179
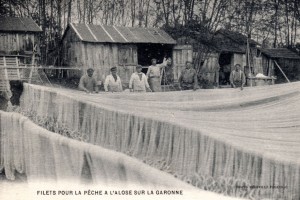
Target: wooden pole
248 59
32 64
6 79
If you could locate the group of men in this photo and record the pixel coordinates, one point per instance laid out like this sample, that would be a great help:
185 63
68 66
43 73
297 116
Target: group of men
89 84
139 82
151 82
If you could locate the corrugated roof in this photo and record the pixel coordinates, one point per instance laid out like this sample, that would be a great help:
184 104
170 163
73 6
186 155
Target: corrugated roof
280 53
18 24
114 34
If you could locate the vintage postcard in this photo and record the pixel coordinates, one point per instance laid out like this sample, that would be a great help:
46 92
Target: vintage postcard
149 99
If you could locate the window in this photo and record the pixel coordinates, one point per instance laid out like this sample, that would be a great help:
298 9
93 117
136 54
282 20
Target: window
127 55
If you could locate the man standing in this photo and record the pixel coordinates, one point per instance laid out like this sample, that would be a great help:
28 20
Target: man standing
188 78
138 81
88 83
113 82
237 77
154 74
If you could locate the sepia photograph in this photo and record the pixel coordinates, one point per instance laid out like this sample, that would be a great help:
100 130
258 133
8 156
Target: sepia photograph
150 99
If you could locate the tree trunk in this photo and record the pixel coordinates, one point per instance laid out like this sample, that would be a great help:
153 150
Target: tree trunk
84 10
147 13
43 24
132 8
79 11
59 31
287 23
276 24
69 11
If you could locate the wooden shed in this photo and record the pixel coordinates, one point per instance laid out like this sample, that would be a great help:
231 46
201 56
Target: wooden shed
286 59
18 36
19 40
101 47
225 49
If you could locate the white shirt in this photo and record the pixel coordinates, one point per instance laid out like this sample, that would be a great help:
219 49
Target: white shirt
154 71
138 84
113 85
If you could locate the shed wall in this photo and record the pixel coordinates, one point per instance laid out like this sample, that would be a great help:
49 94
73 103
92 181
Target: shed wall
100 56
11 43
291 69
181 54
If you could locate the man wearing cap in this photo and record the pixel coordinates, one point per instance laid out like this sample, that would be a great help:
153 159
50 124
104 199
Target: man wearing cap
138 81
154 74
113 82
188 78
237 77
88 83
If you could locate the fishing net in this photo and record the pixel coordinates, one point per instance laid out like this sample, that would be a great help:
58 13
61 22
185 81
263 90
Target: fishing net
46 156
213 139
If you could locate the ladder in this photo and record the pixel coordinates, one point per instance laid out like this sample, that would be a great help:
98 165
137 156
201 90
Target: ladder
4 81
13 70
36 75
11 65
9 70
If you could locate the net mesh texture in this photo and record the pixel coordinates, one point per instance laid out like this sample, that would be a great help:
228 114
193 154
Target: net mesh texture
208 138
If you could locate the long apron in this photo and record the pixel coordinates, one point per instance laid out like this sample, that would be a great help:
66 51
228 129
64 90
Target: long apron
154 83
114 88
139 85
237 83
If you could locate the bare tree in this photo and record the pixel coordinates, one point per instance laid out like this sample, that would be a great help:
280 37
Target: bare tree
69 11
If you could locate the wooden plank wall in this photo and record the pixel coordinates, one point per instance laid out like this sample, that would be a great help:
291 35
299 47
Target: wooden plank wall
270 68
181 54
258 68
10 42
100 56
210 68
238 59
290 67
267 65
211 63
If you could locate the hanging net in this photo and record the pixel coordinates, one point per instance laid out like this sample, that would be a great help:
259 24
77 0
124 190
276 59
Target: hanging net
218 140
42 155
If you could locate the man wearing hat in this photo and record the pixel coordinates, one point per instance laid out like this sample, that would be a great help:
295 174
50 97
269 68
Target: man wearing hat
138 81
88 83
113 82
154 74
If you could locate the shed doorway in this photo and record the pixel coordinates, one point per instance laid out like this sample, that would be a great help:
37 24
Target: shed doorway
225 68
